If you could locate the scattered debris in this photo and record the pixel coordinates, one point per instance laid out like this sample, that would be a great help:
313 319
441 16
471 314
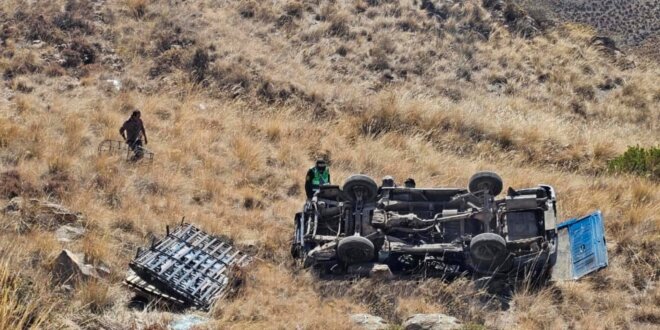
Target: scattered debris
581 247
431 322
68 233
369 322
188 267
70 268
149 291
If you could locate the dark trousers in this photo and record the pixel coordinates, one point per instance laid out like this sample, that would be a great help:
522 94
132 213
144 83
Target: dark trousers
136 146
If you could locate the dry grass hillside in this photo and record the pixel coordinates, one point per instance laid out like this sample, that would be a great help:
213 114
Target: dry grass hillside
239 97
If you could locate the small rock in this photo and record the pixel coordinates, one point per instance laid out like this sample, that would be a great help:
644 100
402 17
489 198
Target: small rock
431 322
69 233
187 322
37 44
381 272
369 322
70 267
114 83
248 243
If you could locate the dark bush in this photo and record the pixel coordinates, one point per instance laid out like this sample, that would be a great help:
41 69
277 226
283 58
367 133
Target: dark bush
464 72
493 4
78 53
586 92
513 13
541 15
11 185
168 36
57 184
247 9
339 28
70 22
37 28
342 50
199 65
231 76
167 62
294 9
638 161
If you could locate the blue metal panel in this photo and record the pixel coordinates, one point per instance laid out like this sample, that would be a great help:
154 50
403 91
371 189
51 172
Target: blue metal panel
587 239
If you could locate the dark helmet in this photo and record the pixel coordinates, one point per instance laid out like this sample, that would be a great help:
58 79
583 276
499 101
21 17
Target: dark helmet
321 163
388 181
409 183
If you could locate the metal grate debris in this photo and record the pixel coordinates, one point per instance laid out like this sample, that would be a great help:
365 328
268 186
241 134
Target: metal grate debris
188 265
114 147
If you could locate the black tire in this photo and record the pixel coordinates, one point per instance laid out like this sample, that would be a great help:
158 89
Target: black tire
489 253
358 181
488 181
355 249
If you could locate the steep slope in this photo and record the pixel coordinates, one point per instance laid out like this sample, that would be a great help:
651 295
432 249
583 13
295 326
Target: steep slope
634 24
238 99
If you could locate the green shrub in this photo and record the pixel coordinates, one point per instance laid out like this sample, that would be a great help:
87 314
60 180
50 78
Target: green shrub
639 161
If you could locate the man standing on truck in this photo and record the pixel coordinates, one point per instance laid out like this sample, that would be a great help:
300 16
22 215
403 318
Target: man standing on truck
132 132
316 177
388 182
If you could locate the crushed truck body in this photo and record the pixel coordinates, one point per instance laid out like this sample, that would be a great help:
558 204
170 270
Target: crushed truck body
442 232
187 267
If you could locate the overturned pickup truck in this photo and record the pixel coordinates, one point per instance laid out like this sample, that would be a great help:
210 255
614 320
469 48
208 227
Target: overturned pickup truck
430 231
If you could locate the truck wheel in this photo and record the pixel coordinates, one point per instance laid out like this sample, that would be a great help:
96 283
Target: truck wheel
355 249
488 181
363 183
488 252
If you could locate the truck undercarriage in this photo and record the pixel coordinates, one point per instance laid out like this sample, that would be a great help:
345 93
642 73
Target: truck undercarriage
427 231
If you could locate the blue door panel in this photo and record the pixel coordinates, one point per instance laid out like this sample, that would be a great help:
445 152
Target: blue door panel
587 244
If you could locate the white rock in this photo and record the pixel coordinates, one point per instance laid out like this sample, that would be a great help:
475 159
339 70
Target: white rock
69 233
115 83
369 322
431 322
381 272
188 322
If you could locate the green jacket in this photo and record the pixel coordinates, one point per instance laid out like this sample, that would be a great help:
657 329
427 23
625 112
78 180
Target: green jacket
315 179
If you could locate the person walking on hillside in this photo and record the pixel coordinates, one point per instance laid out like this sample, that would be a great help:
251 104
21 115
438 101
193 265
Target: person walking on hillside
316 177
132 132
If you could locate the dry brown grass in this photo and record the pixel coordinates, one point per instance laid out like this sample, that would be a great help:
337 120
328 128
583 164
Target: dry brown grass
376 87
21 306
